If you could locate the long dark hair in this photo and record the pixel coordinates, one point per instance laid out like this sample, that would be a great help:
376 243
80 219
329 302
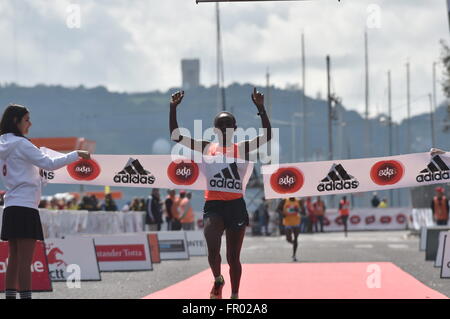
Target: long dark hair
12 115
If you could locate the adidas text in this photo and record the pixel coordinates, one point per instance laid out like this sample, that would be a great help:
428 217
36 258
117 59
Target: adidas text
225 183
429 177
340 185
134 179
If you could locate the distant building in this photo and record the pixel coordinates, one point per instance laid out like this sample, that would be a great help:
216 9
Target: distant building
191 73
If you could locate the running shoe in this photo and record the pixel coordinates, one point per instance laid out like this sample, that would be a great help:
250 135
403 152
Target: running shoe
216 291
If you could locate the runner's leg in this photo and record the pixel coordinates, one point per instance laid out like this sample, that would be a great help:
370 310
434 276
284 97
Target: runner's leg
235 238
214 227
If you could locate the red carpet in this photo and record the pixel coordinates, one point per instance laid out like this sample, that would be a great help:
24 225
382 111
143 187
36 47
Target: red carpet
307 281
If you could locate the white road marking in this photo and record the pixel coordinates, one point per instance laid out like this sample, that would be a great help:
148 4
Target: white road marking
398 246
364 246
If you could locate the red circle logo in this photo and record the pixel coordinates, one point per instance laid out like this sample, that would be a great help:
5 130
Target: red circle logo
183 172
401 218
287 180
370 219
339 221
84 170
355 219
387 172
386 219
326 221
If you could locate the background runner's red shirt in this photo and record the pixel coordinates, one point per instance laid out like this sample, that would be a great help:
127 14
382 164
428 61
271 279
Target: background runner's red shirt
215 149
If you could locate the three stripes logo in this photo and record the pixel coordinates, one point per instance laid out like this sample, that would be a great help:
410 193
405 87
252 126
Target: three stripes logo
227 178
134 173
337 179
436 170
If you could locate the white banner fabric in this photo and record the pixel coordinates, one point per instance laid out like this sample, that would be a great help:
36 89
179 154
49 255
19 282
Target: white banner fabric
156 171
356 175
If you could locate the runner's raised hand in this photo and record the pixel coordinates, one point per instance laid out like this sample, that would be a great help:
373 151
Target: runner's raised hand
176 98
258 100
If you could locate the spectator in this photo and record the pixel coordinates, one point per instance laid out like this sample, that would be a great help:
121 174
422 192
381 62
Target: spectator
53 204
135 204
109 205
94 203
440 207
186 212
142 203
72 204
85 204
375 200
303 217
43 203
279 210
310 213
126 207
176 223
264 217
344 212
153 212
319 212
383 203
170 199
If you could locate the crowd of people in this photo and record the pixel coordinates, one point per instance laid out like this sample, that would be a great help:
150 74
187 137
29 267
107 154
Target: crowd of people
310 214
176 209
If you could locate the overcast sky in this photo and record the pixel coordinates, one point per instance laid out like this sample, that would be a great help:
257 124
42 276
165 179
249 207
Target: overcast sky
137 45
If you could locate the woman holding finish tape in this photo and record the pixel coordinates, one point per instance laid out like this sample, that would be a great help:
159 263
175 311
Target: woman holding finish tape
20 162
224 211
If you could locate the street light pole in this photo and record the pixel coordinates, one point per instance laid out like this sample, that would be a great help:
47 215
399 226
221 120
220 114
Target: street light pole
305 109
391 195
330 114
408 102
433 137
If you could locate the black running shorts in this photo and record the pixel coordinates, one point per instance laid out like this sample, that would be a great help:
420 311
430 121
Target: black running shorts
233 212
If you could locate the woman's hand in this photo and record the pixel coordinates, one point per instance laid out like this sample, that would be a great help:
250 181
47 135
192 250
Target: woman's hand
436 151
176 98
84 155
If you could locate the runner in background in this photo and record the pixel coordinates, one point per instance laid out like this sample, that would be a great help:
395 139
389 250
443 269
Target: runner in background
291 222
344 212
223 211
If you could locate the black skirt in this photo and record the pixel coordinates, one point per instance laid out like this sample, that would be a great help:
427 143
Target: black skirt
21 222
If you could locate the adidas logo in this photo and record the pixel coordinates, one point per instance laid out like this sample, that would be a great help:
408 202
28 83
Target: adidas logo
436 170
337 179
227 178
134 173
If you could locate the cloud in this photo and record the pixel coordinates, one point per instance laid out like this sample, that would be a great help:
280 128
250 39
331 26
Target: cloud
138 45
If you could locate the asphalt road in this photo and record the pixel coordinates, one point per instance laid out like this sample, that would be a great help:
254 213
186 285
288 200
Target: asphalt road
398 247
